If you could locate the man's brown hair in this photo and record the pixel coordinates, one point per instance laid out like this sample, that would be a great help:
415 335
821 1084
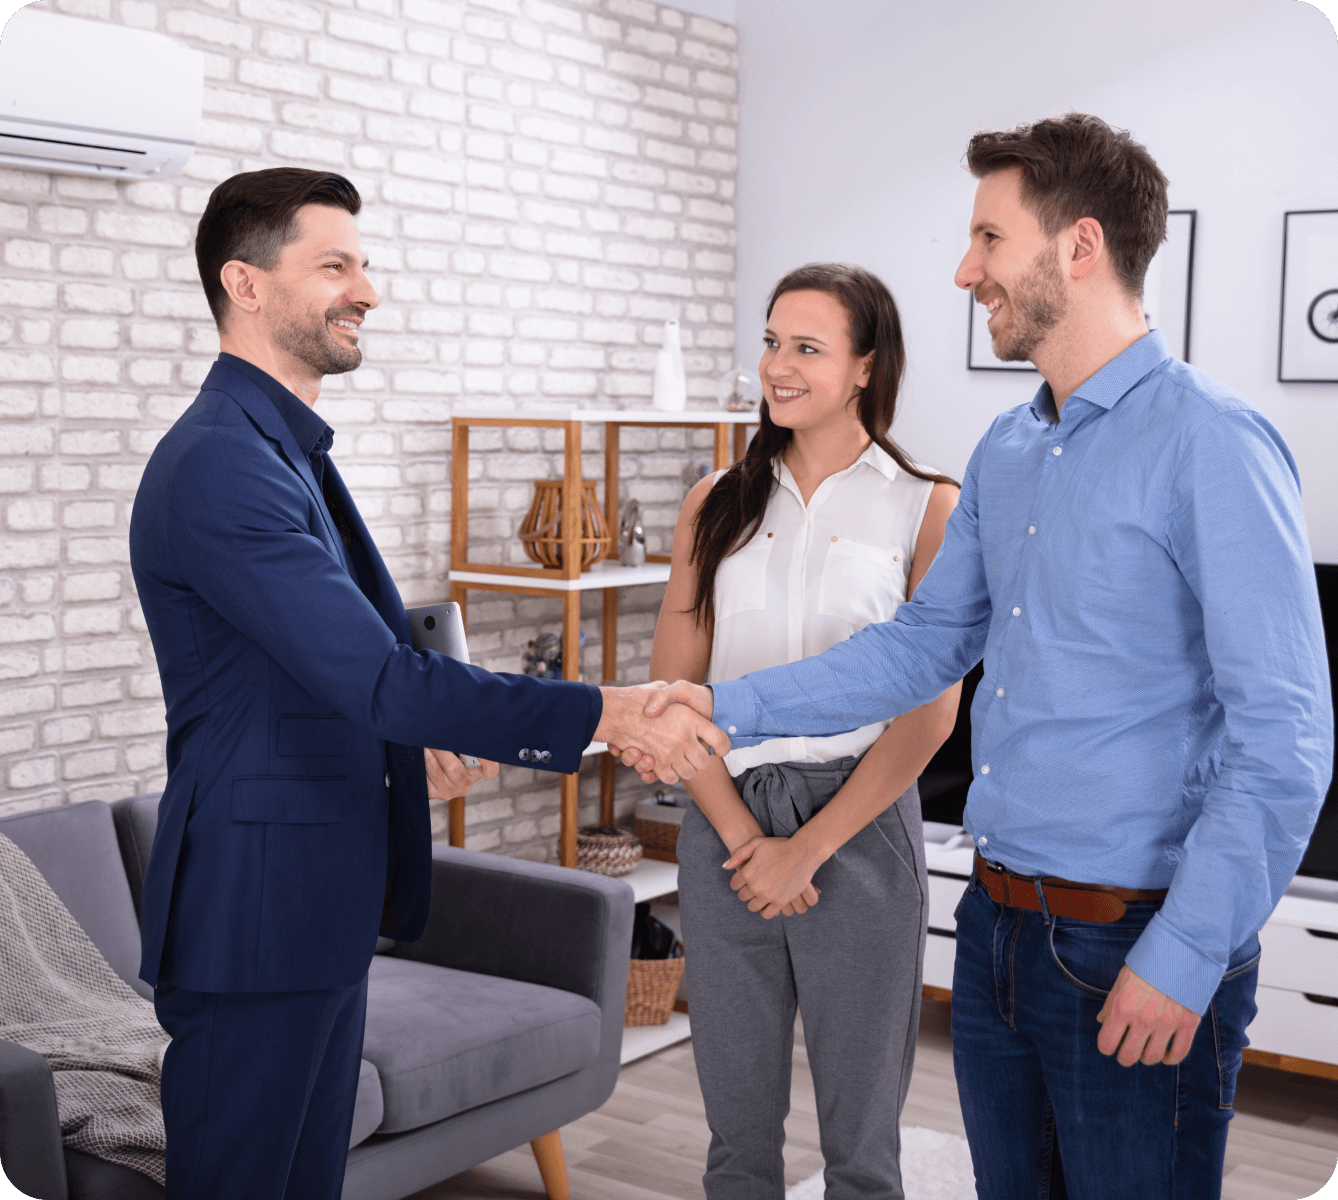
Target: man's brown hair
251 217
1077 166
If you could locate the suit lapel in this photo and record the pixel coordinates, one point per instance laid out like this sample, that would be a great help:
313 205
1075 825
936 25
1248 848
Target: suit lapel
369 568
260 408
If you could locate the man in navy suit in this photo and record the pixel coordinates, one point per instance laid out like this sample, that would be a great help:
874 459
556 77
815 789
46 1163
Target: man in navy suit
294 827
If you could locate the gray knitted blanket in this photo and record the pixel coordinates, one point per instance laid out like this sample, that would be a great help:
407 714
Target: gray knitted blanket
60 997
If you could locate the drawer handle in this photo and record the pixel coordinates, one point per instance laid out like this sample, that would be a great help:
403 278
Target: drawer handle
1314 999
948 933
1324 933
967 879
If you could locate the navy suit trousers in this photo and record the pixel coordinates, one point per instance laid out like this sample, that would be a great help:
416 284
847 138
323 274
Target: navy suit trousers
258 1091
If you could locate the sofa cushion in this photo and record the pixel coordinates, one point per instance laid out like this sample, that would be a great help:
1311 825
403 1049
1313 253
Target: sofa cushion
95 1179
75 848
368 1109
444 1041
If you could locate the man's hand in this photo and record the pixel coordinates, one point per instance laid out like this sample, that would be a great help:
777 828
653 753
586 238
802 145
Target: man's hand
774 876
1153 1027
670 741
448 777
694 695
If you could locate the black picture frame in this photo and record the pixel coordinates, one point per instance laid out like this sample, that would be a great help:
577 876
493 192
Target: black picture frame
1307 353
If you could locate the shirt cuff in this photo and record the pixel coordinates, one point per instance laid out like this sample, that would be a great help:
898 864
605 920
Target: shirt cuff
596 711
735 711
1160 958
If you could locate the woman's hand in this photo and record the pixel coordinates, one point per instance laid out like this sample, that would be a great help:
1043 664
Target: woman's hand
774 876
448 777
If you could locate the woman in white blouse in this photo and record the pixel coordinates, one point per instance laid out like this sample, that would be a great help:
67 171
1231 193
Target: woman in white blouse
822 528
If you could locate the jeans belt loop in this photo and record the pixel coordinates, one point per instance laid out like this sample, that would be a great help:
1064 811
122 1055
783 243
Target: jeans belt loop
1040 895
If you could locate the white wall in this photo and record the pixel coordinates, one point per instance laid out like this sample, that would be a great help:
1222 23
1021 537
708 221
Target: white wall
854 116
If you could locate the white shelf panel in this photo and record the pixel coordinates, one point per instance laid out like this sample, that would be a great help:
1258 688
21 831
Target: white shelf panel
651 878
626 416
599 577
641 1040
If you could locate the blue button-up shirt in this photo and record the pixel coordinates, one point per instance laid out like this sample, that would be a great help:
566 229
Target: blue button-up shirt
1155 710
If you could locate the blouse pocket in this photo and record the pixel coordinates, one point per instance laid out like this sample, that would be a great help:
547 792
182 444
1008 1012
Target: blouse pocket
741 578
861 584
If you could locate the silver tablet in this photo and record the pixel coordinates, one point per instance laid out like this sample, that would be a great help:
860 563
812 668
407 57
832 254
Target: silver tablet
440 627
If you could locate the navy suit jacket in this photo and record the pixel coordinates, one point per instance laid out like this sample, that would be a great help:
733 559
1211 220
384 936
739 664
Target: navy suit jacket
294 825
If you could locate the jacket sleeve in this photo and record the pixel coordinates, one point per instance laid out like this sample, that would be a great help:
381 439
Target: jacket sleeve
237 531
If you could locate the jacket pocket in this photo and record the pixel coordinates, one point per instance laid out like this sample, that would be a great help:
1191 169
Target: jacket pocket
313 737
291 800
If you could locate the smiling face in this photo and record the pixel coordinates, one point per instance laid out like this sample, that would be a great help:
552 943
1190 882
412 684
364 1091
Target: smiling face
318 293
1013 268
809 370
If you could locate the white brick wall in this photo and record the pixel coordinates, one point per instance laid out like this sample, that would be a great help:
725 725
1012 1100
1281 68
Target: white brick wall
545 182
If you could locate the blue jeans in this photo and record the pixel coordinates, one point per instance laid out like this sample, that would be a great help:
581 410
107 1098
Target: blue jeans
1047 1114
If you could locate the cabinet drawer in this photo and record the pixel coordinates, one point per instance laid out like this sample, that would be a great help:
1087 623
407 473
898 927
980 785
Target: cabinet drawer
940 952
1290 1024
1295 958
944 893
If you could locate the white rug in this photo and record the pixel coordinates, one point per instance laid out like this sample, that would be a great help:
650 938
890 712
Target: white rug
934 1166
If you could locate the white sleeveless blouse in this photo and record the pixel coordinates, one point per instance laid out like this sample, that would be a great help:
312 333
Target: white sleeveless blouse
810 577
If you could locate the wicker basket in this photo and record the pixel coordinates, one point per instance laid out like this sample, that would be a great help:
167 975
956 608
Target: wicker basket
652 986
606 851
541 530
659 840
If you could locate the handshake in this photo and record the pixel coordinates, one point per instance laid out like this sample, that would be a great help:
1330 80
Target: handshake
663 730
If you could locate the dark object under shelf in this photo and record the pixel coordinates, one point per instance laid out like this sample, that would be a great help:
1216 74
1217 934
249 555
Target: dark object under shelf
1321 856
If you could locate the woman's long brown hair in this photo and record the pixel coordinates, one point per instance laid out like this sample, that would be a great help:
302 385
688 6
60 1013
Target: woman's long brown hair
731 512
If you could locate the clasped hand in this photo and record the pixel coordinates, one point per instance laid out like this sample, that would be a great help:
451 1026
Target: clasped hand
774 876
448 777
664 731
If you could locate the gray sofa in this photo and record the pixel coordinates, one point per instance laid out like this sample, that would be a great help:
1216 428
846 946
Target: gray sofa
500 1025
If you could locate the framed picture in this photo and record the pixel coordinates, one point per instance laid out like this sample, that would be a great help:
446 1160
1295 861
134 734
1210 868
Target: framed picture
1168 287
1168 291
1308 326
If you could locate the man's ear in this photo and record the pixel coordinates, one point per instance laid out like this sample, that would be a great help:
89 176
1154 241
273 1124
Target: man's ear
240 281
1087 241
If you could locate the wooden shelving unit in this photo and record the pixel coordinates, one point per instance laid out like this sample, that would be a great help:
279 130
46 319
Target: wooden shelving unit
568 581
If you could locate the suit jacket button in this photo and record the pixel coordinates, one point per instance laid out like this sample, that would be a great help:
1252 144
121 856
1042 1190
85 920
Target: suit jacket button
545 755
387 779
524 756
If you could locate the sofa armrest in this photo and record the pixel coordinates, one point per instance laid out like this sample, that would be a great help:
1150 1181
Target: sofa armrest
527 921
30 1144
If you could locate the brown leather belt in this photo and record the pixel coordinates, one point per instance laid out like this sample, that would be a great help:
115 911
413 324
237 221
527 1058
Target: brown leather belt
1063 897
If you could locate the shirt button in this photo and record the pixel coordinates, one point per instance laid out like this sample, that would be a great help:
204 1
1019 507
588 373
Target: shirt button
1031 529
1017 612
733 729
1057 451
985 770
984 841
999 692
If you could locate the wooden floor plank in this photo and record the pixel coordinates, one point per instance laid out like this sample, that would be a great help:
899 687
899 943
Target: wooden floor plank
649 1141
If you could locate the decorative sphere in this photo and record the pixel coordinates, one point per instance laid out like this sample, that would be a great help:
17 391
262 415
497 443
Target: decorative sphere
739 390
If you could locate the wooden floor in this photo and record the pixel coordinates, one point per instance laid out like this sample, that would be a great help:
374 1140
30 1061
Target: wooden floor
648 1142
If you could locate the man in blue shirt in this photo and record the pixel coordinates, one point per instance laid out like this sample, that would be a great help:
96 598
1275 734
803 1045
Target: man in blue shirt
1130 558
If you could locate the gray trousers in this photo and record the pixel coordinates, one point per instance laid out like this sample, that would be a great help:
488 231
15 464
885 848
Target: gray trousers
851 964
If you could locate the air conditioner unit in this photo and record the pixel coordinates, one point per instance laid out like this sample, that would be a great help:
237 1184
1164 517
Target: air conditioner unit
91 98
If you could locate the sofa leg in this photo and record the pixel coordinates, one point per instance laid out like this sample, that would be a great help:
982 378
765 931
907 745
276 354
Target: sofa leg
552 1166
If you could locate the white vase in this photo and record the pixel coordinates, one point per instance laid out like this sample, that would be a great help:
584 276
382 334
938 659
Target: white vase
670 391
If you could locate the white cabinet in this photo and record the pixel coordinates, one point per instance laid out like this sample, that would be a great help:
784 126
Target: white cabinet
1297 1024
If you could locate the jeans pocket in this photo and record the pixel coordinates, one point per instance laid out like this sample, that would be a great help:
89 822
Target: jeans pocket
1089 955
1229 1013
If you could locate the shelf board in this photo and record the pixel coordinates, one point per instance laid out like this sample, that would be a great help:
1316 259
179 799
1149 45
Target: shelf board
651 878
599 577
624 416
640 1040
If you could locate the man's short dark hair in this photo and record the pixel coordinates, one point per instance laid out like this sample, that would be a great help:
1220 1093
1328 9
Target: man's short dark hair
1077 166
251 217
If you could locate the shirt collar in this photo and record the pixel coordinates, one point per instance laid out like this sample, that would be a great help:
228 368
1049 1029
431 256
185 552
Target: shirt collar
310 432
1115 379
874 456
